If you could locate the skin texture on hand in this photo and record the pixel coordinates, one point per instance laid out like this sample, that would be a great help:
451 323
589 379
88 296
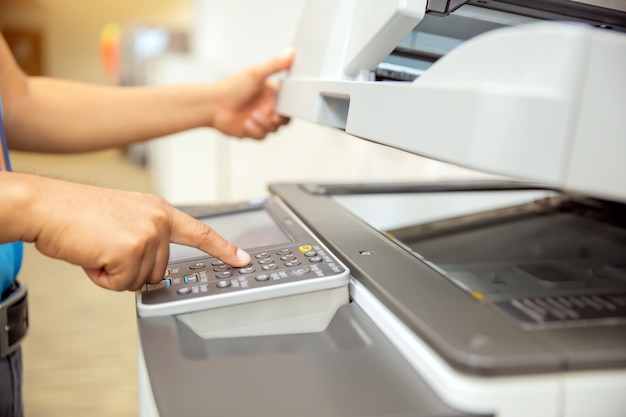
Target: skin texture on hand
120 238
246 101
44 114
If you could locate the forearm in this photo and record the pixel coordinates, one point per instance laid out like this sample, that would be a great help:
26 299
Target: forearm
64 116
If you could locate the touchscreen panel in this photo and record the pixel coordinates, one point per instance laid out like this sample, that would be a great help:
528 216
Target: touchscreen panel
248 230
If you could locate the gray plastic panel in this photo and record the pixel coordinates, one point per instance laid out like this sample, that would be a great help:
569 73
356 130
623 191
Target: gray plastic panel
348 370
442 314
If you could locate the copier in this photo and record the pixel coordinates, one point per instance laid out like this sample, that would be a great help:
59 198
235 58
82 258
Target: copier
502 297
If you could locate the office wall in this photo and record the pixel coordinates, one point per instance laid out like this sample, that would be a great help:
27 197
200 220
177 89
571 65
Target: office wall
71 28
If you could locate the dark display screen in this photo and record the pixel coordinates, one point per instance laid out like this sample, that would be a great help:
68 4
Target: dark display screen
250 229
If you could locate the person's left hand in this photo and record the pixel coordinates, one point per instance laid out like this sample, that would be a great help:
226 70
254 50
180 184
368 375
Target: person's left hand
246 101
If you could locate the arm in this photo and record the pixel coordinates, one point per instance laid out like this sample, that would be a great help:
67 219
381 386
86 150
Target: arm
120 238
51 115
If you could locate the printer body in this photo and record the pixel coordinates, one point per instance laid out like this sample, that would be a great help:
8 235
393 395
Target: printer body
503 297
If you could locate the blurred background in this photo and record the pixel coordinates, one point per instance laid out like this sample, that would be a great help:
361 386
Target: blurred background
80 356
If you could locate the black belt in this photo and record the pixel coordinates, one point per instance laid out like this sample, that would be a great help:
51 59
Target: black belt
13 318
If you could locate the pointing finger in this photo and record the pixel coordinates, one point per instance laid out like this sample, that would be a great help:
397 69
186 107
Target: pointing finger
188 231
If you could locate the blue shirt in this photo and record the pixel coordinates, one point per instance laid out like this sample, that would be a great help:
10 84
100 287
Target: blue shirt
11 254
10 263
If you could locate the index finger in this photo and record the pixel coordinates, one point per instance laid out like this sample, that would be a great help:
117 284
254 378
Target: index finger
188 231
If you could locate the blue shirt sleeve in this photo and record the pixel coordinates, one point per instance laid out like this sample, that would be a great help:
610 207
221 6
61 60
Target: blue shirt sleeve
10 263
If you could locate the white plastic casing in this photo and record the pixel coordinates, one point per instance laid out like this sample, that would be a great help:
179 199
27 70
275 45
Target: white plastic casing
540 101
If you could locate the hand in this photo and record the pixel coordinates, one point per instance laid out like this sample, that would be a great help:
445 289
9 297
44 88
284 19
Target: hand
120 238
246 101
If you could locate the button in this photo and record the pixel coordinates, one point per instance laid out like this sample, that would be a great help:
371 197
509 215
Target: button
222 267
190 279
183 290
223 284
262 277
283 251
310 253
216 262
269 267
266 261
262 255
165 283
305 248
246 270
315 259
223 274
198 265
298 272
287 257
292 263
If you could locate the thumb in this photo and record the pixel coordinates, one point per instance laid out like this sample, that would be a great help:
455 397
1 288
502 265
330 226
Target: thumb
272 66
188 231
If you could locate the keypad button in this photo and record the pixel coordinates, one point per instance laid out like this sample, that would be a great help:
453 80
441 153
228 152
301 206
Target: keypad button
216 262
287 257
262 255
310 253
246 270
183 290
223 274
221 268
298 272
165 283
315 259
305 248
223 284
262 277
266 261
191 279
198 265
283 251
269 267
292 263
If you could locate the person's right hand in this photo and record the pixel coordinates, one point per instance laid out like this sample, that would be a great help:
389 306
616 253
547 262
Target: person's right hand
120 238
245 102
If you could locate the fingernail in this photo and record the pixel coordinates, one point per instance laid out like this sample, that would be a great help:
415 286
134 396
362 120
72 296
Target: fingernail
243 256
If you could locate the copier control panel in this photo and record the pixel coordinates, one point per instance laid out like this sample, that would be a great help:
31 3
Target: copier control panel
293 283
207 282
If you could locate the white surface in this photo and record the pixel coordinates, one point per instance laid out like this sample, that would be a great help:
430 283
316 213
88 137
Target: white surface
597 161
571 394
147 404
307 312
540 101
389 211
